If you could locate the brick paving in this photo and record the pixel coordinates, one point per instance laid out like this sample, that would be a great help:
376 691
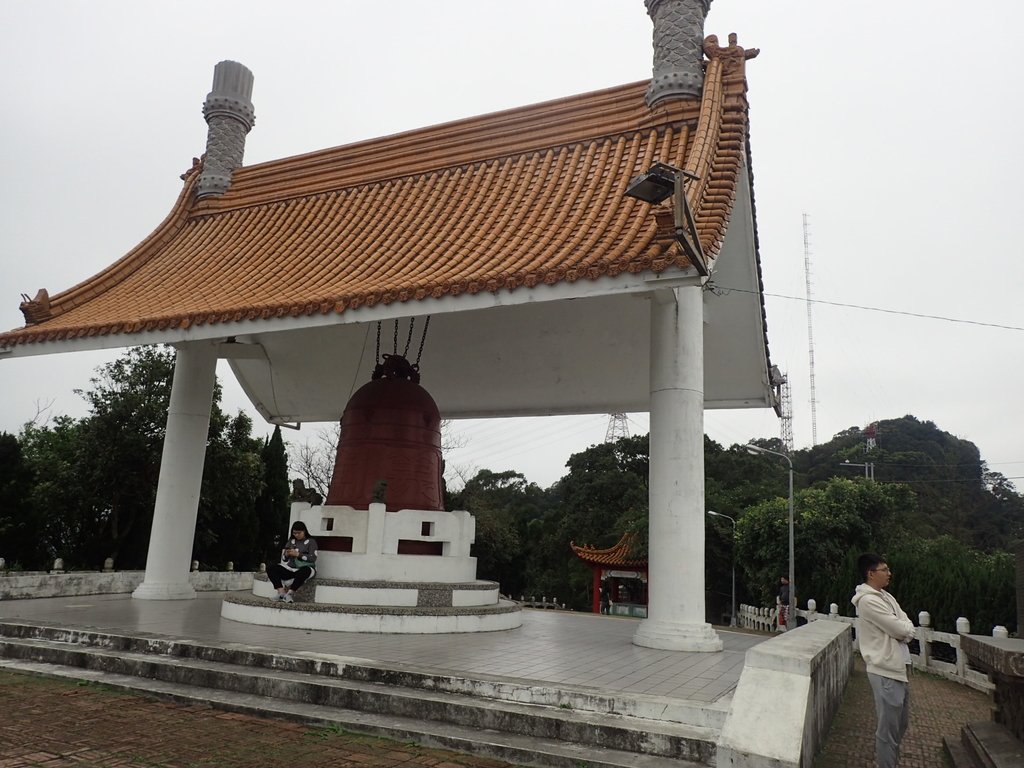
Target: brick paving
54 723
937 708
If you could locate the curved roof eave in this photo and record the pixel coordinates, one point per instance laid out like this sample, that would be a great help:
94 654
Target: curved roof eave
496 204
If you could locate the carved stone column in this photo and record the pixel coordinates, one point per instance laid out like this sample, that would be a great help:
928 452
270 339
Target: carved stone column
678 48
230 116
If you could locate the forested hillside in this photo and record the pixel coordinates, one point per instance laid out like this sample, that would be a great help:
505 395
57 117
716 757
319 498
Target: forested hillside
934 508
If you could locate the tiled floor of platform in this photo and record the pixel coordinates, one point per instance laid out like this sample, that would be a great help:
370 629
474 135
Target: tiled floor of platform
552 648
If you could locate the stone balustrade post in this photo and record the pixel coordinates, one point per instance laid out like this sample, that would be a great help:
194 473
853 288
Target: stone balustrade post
924 636
963 627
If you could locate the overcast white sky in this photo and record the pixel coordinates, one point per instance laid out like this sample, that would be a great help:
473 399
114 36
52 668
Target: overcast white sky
893 125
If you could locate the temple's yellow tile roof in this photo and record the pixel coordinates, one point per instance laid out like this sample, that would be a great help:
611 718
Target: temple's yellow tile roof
619 556
501 202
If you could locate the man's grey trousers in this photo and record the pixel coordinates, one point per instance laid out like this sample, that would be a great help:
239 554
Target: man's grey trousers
892 704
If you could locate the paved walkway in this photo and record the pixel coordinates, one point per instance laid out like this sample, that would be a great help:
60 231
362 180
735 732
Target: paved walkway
937 708
53 723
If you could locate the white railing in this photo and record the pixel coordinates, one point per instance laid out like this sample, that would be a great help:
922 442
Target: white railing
766 620
543 603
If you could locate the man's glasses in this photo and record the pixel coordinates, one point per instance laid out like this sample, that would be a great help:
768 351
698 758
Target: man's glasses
883 569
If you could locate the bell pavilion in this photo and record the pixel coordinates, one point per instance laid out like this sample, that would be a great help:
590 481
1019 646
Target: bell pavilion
542 243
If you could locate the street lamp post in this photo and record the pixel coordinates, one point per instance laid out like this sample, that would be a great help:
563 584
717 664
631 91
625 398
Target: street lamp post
732 611
792 582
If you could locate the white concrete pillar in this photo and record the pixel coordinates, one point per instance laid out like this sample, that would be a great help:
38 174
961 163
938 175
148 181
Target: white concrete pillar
181 475
675 602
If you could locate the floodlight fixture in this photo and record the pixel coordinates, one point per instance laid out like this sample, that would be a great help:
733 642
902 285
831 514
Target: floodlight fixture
656 185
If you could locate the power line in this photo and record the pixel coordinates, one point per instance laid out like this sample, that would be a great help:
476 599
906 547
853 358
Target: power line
961 480
724 290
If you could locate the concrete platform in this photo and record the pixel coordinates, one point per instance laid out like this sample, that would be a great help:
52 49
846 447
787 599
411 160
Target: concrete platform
550 649
561 689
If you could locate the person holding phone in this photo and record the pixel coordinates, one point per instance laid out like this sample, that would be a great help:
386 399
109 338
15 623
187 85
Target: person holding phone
298 563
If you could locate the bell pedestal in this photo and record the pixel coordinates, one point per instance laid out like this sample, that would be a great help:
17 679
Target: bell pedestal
408 571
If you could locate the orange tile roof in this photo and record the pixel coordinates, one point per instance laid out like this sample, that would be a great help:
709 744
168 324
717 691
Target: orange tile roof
529 196
618 556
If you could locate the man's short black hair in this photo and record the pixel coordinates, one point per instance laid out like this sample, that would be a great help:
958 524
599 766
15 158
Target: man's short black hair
868 562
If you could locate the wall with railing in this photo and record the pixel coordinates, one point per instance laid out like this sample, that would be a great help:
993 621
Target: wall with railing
26 585
933 651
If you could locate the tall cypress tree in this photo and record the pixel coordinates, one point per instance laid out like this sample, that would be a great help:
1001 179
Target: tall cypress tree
272 503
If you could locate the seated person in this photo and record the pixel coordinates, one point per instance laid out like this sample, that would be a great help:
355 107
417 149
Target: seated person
298 563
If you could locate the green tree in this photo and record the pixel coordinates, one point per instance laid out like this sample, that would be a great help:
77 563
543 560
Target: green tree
228 523
69 519
19 525
733 481
95 479
948 578
830 521
503 504
272 505
603 496
119 453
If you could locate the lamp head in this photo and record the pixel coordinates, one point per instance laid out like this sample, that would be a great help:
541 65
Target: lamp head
654 185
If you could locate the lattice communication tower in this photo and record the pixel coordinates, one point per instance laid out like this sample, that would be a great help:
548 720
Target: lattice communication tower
810 328
786 421
618 427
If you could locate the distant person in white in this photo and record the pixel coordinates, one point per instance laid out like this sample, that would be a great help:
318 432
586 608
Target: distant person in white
883 631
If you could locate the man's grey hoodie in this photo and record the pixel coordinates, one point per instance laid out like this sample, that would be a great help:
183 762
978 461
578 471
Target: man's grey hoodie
883 631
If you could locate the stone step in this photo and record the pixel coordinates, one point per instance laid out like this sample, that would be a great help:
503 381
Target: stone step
958 754
991 745
702 715
518 749
284 684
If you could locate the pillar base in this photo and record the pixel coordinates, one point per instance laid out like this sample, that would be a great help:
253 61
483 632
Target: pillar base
164 591
676 636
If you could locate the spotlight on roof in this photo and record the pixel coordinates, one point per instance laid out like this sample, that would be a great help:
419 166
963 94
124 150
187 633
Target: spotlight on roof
655 185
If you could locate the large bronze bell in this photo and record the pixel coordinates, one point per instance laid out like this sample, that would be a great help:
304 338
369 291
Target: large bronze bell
390 444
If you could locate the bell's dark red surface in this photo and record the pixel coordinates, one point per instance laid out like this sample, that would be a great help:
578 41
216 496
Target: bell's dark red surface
390 433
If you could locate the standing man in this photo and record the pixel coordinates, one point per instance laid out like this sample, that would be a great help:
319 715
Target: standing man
883 631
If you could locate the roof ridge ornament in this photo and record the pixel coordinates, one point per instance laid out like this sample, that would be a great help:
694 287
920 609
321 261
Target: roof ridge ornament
230 116
678 49
36 310
732 55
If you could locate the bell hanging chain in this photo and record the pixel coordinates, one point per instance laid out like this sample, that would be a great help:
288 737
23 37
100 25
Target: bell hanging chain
423 340
408 340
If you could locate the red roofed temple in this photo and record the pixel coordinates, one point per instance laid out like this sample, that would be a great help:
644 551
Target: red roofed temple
620 577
